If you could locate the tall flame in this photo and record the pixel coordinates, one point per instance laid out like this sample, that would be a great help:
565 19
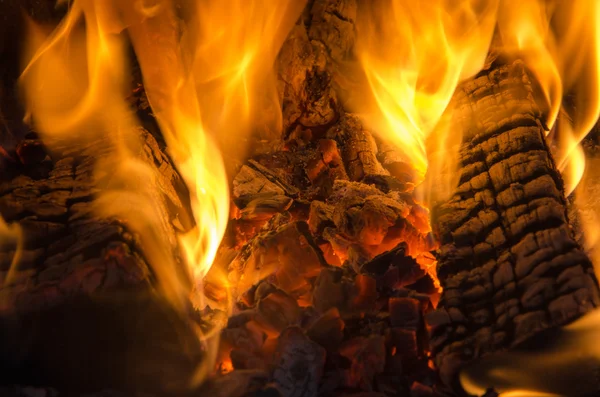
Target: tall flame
208 73
74 86
203 88
414 54
559 42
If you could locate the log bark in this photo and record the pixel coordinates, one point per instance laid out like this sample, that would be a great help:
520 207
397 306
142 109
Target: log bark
508 263
81 310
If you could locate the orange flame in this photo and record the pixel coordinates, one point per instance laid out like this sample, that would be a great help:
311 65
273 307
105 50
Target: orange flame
559 42
206 72
414 54
74 87
205 86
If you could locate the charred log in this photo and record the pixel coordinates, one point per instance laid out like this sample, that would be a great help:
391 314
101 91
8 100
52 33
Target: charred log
80 308
508 262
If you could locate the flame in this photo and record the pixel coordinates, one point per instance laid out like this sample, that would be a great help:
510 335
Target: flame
204 89
208 73
559 42
11 236
74 87
414 54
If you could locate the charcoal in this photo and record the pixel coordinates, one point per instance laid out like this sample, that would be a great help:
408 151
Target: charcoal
367 356
271 176
277 311
405 312
239 383
332 290
298 364
289 254
387 183
265 207
359 151
31 151
327 330
321 216
250 182
326 162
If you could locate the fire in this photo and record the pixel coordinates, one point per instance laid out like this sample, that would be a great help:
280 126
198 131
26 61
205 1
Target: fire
207 70
10 235
414 54
559 42
203 89
208 76
74 86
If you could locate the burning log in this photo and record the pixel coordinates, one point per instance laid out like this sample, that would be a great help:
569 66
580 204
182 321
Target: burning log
79 302
508 263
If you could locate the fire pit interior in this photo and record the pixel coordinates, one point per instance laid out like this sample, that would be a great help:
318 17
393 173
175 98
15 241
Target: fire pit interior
297 198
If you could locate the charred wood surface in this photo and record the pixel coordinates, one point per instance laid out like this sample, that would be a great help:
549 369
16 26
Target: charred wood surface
508 263
79 306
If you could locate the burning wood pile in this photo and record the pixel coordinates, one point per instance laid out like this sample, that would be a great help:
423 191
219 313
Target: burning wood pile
283 204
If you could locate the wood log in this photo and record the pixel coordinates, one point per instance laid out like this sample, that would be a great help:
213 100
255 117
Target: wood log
81 309
307 66
508 263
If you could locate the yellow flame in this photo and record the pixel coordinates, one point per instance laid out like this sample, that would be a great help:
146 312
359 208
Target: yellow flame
74 86
414 54
559 42
203 85
208 73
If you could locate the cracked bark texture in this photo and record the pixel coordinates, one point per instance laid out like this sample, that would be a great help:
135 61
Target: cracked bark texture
307 65
508 263
81 307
